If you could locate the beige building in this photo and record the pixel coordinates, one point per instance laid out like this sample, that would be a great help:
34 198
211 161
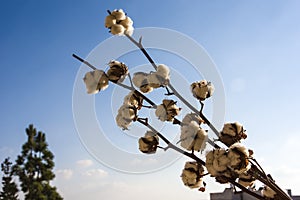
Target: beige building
229 194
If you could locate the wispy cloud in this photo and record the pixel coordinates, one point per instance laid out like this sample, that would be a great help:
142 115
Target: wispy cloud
64 173
96 173
84 163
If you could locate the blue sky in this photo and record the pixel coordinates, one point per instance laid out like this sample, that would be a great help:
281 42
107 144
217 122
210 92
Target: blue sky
255 46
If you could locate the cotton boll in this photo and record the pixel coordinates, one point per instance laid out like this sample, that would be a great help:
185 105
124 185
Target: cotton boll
117 29
172 109
211 170
192 137
219 152
268 192
210 90
232 129
122 122
191 174
119 14
191 117
189 178
117 71
220 163
133 99
146 88
199 92
127 112
202 89
246 180
199 143
127 23
95 81
129 31
148 143
209 157
153 80
161 113
114 62
234 158
191 165
209 164
241 148
109 21
163 70
129 100
139 79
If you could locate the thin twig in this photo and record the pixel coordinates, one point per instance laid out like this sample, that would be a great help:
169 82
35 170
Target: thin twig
84 61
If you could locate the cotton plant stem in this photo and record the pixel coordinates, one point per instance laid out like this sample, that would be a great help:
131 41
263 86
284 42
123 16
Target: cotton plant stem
176 93
255 172
170 145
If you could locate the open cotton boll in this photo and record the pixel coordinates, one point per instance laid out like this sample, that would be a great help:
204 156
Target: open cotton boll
268 192
172 109
109 21
161 113
241 148
119 14
139 79
202 90
117 71
219 152
163 70
220 163
238 155
188 118
122 122
117 29
191 129
246 180
133 99
192 174
114 62
199 142
153 80
127 23
148 143
232 129
189 178
234 158
192 137
128 112
209 164
95 81
146 89
129 31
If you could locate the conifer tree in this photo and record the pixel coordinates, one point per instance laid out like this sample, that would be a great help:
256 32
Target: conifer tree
34 167
9 187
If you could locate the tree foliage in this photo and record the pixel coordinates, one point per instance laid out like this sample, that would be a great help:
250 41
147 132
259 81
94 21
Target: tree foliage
9 188
34 167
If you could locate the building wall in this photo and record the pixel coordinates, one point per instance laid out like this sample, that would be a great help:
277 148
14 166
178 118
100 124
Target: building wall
228 194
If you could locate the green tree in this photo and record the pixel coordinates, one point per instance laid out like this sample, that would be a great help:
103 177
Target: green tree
9 187
34 167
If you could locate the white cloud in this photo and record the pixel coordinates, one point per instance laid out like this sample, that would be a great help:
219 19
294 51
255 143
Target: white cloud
96 173
64 173
84 163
